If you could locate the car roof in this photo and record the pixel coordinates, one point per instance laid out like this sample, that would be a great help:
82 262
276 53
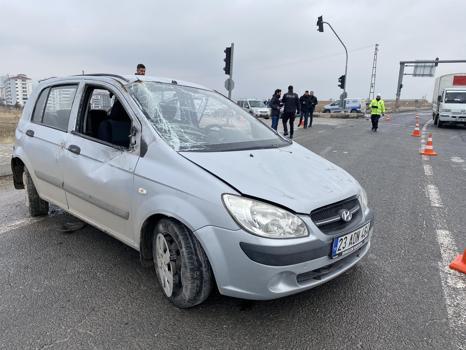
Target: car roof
122 79
456 88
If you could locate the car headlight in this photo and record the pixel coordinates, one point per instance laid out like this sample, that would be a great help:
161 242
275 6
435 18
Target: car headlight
263 219
445 110
363 199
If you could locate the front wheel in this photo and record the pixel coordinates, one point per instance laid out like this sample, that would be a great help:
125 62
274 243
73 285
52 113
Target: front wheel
36 205
181 265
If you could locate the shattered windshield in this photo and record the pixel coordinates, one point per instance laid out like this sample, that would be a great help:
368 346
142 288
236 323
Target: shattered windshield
191 119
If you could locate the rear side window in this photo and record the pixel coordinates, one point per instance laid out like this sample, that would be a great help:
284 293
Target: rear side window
40 105
55 113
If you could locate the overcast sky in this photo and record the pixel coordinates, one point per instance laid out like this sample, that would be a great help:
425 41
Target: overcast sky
276 42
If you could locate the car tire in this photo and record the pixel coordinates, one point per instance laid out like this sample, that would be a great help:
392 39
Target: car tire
326 111
36 205
353 111
436 120
183 270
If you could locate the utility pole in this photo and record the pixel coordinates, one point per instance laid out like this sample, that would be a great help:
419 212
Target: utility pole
373 74
320 28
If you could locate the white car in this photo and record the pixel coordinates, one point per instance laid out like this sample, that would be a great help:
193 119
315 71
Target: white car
255 107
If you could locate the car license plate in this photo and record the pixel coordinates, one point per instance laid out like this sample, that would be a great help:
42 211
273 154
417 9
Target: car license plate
345 244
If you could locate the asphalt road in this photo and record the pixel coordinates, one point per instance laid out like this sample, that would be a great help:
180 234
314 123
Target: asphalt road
86 290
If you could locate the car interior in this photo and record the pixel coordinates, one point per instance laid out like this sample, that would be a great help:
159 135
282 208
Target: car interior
106 121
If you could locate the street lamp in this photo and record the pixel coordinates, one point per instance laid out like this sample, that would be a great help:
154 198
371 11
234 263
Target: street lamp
320 28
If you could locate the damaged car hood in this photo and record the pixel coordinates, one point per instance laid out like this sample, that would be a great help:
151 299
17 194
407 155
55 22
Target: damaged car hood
291 176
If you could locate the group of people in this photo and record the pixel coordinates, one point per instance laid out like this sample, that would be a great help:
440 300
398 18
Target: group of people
292 105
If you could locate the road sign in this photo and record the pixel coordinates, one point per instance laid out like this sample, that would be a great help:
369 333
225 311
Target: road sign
229 84
424 70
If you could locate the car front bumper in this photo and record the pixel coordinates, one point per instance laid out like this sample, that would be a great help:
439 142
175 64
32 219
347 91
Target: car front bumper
452 118
251 267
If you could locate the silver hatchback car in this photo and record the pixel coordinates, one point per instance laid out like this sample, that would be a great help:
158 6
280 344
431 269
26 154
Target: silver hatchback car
205 192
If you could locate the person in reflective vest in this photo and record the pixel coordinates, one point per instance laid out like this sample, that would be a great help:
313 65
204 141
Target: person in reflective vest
377 107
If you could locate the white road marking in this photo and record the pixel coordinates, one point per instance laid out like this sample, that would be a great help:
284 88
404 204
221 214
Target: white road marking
457 160
17 224
428 170
434 196
453 282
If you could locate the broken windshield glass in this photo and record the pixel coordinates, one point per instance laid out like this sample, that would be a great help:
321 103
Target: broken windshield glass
191 119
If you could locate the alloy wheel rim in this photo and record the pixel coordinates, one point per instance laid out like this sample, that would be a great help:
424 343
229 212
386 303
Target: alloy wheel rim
164 265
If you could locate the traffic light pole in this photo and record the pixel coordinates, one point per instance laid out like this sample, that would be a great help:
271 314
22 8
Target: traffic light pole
346 63
231 66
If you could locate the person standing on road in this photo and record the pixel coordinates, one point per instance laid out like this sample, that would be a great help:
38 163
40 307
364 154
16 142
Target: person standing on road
140 69
377 107
312 107
275 108
291 105
305 103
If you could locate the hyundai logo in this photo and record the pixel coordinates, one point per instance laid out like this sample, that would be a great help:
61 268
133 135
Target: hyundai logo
345 215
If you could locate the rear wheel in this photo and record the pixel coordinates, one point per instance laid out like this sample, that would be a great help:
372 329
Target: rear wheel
36 205
182 267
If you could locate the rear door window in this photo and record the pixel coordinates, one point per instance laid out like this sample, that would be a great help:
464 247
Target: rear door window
58 107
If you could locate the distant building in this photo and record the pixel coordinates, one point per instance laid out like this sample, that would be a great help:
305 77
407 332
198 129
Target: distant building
17 89
101 100
3 79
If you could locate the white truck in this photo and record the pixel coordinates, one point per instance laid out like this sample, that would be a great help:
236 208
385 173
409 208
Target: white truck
449 99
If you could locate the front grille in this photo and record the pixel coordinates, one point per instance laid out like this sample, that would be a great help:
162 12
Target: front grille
328 219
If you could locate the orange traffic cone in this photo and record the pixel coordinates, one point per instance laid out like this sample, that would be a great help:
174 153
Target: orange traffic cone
301 123
429 149
416 131
459 264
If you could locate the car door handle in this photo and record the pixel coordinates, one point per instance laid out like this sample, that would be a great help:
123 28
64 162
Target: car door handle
74 149
30 133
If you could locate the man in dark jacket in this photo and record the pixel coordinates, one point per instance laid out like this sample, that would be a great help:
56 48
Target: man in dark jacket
313 105
275 107
305 102
291 105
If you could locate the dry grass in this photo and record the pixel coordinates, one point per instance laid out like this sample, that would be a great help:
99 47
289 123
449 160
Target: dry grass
9 118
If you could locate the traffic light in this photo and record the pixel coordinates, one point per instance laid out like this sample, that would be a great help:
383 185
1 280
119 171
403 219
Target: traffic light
320 24
341 81
227 60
